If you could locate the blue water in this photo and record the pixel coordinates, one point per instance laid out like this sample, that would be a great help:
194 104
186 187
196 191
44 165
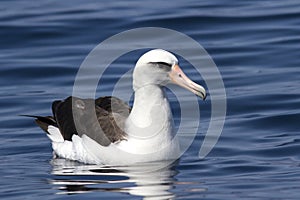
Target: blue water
255 45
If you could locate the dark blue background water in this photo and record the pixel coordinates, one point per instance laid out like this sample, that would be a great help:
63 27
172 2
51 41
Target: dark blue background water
255 45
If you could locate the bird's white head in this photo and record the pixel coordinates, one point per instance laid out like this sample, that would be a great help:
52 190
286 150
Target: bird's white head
160 67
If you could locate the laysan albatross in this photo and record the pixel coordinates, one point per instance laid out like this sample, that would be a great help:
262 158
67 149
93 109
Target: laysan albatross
107 131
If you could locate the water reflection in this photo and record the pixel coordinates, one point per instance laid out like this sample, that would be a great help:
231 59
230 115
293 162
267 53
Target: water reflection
151 181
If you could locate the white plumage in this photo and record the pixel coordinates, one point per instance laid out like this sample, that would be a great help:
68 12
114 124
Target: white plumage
149 126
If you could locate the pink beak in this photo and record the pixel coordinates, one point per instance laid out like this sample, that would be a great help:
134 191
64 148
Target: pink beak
178 77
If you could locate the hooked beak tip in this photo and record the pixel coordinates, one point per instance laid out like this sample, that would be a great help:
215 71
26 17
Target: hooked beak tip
201 92
203 96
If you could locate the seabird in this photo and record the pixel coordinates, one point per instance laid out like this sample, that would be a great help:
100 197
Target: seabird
108 131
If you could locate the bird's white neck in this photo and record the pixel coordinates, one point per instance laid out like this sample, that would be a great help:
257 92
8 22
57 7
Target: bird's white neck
151 115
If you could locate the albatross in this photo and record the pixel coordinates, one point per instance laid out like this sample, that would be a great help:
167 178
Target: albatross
108 131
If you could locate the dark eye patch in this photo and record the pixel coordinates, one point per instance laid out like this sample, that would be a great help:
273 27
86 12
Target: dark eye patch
162 63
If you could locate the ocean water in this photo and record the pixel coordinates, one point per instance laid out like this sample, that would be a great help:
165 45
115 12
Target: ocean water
255 45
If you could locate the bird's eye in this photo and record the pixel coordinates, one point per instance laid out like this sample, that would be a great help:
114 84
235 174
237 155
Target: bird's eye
162 63
165 64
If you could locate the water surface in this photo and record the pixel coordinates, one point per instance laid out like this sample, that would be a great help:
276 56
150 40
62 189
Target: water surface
255 45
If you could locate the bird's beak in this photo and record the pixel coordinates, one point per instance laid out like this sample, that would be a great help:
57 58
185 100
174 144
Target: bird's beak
178 77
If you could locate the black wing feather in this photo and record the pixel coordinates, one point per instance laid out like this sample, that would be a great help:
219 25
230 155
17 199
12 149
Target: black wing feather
43 122
106 127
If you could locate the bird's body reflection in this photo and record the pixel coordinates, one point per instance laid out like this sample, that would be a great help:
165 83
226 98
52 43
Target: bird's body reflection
149 180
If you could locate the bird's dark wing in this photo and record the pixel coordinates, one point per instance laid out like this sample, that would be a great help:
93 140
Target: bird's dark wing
43 121
111 114
102 119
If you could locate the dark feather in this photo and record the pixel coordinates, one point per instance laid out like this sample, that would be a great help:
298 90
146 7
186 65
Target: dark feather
102 119
43 122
